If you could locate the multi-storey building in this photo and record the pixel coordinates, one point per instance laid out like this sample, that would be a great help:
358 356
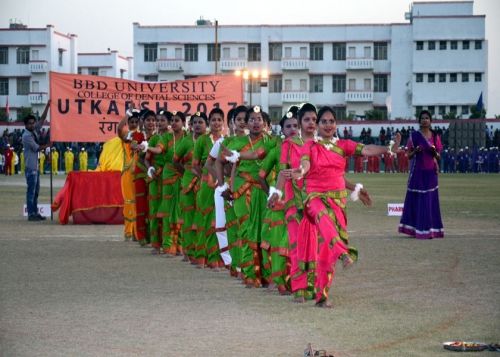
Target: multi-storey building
437 61
27 55
108 64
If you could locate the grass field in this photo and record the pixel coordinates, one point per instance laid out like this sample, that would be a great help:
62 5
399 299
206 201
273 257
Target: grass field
80 290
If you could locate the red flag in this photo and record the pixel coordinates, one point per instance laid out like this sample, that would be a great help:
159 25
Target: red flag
7 109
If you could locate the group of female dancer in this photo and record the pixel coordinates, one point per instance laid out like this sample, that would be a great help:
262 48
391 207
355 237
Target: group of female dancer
269 209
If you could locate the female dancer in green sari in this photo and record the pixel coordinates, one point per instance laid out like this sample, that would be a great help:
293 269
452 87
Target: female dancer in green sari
189 184
207 249
249 197
171 183
155 160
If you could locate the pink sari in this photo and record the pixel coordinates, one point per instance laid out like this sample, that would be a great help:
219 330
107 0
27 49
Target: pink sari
293 151
323 230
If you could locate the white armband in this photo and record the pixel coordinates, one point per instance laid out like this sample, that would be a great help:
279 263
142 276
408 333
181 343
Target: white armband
273 190
145 146
355 193
151 172
234 157
220 189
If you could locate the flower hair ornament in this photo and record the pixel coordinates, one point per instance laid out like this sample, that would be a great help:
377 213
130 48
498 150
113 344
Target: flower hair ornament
256 109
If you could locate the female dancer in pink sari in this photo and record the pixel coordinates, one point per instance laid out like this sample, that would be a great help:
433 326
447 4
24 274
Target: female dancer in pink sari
324 205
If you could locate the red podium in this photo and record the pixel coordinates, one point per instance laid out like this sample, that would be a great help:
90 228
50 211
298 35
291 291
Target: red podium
91 198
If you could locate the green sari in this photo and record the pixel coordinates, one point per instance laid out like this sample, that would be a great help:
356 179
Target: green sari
154 192
249 206
206 246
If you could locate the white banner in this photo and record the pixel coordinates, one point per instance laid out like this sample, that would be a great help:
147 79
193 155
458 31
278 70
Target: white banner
395 209
43 209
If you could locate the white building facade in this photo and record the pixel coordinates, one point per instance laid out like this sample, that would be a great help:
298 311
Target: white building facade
435 61
108 64
27 55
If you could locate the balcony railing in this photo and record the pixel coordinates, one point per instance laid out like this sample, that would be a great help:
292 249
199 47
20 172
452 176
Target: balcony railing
359 63
38 66
37 97
359 96
295 96
169 65
233 64
294 64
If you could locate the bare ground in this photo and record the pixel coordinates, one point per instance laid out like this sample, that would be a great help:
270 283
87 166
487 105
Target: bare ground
82 291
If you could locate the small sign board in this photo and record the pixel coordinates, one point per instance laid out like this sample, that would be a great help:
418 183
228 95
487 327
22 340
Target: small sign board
395 209
43 209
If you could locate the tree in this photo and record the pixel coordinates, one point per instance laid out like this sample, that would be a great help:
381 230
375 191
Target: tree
3 115
475 114
23 112
450 115
375 114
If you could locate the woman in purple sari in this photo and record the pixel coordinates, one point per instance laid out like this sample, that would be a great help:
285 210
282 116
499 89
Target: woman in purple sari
421 214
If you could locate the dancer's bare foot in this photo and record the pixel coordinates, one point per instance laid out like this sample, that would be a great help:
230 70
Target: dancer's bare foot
299 299
325 304
156 251
347 261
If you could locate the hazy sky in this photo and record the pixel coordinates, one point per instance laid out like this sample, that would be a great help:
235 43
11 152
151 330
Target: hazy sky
103 24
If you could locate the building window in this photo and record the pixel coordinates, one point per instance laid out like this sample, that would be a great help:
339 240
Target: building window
340 113
94 71
275 114
122 73
60 56
241 52
35 86
420 45
478 77
442 77
288 52
338 81
442 45
163 53
316 51
23 86
453 109
432 110
316 84
352 84
23 55
178 53
367 84
420 77
352 52
151 78
431 45
453 77
303 52
465 110
150 52
367 50
478 44
453 45
191 52
275 84
431 78
34 55
288 85
442 110
303 85
226 53
465 77
465 45
418 109
254 85
79 71
339 51
211 52
383 110
4 86
380 83
254 52
275 51
4 55
380 50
